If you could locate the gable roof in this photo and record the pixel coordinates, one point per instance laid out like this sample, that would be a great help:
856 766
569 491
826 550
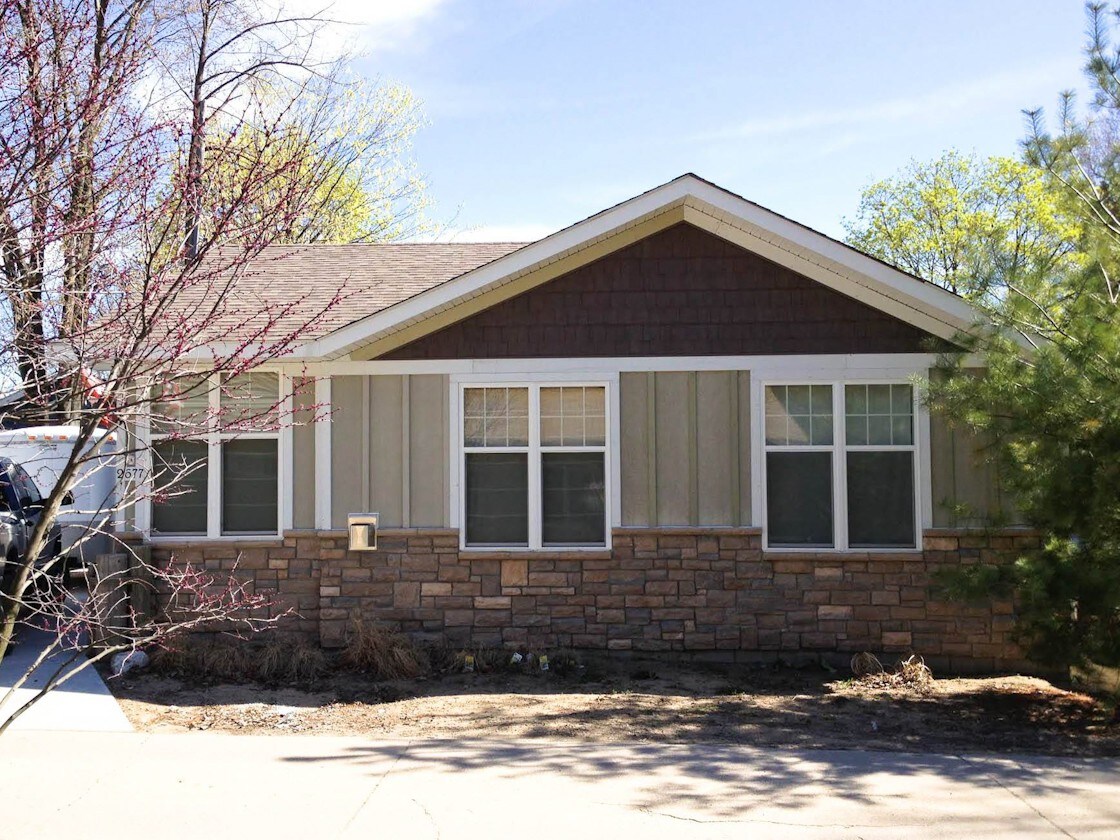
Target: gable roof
687 198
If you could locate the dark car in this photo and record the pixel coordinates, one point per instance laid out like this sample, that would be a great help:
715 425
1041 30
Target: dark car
21 505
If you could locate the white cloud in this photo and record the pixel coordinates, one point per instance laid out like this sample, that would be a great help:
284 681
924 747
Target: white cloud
499 233
923 108
365 25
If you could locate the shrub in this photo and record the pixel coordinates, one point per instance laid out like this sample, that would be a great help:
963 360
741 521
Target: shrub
382 653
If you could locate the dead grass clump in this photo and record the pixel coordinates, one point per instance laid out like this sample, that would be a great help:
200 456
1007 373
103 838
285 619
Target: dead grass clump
206 661
911 673
443 658
382 653
866 664
288 661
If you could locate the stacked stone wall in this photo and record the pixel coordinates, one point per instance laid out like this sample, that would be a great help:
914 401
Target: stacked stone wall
708 592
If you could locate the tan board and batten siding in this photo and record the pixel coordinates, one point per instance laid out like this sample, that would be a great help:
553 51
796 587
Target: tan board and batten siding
965 484
685 454
303 455
390 449
685 448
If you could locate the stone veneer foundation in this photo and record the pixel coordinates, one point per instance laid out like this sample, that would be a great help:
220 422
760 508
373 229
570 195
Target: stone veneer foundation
705 592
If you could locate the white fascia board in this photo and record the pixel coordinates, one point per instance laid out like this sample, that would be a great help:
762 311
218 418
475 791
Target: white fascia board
929 295
828 366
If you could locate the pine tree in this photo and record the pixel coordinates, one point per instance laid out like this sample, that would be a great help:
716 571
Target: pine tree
1051 396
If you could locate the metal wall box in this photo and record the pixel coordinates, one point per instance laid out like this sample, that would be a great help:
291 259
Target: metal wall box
363 531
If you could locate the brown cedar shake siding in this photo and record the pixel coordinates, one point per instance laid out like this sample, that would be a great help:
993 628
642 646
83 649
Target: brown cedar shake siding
679 292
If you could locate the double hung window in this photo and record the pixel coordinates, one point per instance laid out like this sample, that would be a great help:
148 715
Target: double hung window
215 457
840 466
534 466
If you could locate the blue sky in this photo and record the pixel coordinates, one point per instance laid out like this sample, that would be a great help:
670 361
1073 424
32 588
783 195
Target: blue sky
542 113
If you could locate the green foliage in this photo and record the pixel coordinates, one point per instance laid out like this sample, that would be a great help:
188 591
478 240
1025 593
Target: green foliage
1051 395
333 168
969 225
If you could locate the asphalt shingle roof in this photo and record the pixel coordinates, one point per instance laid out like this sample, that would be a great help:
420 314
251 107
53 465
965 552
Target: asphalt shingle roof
371 277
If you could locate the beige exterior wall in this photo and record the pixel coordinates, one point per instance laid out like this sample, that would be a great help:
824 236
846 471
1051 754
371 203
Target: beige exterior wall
390 449
303 455
685 448
965 485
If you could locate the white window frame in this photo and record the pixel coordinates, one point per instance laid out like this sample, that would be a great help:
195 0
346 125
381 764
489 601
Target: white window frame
839 450
214 437
534 451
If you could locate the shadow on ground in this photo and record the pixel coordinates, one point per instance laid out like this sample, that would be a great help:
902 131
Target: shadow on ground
722 781
771 707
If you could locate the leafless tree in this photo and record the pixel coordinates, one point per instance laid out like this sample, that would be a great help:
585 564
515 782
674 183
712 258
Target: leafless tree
131 206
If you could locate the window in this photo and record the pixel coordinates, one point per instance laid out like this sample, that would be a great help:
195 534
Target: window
840 466
879 458
534 466
799 436
215 457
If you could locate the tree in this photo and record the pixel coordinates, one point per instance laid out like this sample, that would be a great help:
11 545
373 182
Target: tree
364 188
969 225
1051 396
116 260
347 137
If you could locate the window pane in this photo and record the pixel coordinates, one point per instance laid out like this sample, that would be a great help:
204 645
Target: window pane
496 417
249 487
799 498
573 416
497 496
250 401
855 397
798 399
822 430
855 429
776 429
878 399
799 415
798 428
879 430
901 399
179 478
881 499
474 431
902 431
879 415
181 406
574 501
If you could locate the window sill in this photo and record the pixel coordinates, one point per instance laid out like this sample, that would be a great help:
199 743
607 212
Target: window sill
536 554
837 552
202 539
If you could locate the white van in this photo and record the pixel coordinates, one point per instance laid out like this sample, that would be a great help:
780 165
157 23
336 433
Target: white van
43 451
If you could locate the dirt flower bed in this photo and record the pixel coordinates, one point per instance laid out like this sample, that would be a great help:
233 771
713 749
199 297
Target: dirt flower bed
636 701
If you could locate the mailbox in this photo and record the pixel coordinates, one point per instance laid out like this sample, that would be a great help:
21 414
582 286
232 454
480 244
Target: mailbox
363 531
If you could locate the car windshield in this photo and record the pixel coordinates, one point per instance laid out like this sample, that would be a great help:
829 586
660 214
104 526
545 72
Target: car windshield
28 492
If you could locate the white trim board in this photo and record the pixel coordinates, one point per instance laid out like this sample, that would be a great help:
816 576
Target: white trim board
824 365
322 456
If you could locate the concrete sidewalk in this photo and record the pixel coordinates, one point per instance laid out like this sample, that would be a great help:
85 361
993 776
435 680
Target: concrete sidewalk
209 785
82 703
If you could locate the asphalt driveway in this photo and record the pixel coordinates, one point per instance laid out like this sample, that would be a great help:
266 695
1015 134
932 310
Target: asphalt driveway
208 785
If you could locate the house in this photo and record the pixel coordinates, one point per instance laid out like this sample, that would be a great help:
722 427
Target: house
686 423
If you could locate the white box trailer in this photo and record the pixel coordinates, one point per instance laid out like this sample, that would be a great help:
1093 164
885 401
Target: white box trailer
43 451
